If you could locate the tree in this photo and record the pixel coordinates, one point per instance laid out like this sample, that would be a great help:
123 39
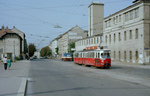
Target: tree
46 51
57 49
25 46
71 45
31 49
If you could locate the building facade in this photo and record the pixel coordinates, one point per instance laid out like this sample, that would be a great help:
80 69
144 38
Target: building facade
53 46
11 43
68 37
127 33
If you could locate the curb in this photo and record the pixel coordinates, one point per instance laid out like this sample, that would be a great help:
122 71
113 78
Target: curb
23 87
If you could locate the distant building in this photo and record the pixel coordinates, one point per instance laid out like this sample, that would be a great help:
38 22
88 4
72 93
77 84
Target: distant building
37 54
68 37
126 33
53 46
11 42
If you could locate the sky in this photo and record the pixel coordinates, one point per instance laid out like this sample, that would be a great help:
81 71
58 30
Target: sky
44 20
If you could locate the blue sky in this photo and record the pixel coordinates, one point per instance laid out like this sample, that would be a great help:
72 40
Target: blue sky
38 19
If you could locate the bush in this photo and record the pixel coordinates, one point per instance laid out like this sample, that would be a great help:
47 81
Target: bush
17 58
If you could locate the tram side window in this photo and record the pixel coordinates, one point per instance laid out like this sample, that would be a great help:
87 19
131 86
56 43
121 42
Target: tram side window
86 55
75 55
102 55
92 55
98 55
108 55
105 55
83 55
79 55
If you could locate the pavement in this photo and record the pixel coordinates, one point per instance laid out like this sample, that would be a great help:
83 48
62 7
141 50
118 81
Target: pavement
133 65
13 82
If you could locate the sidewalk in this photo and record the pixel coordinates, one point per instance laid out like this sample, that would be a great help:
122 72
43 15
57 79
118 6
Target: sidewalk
13 82
116 63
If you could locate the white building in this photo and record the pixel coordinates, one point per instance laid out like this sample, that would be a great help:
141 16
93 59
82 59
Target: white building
53 46
126 33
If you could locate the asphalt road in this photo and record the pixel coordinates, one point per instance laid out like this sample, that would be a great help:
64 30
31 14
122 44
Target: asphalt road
58 78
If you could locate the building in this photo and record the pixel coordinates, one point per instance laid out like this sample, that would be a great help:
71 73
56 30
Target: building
54 47
72 35
126 33
11 42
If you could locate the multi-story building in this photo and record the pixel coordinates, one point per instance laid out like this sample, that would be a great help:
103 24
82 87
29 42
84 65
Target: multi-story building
11 42
126 33
54 47
68 37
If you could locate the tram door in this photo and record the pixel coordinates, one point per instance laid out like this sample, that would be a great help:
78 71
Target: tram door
97 58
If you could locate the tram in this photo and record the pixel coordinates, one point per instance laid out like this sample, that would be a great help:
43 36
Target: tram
97 57
66 57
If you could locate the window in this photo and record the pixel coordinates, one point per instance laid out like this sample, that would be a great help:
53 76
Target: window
114 37
105 24
94 40
119 18
130 56
119 56
131 15
114 54
86 42
92 54
119 36
98 55
130 34
136 55
109 38
126 16
116 19
125 35
106 38
109 22
125 57
97 40
136 12
136 33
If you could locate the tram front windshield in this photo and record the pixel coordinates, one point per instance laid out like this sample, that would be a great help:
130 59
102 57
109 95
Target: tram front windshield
105 55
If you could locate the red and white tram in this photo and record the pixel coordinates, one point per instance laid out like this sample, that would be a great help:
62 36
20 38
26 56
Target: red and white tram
97 58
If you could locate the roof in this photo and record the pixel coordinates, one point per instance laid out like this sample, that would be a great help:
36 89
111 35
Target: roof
95 3
4 31
135 4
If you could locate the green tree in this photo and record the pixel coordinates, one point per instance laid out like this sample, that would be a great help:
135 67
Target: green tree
31 49
46 51
25 46
57 49
71 45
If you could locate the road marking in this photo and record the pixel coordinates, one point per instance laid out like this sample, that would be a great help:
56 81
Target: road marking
22 88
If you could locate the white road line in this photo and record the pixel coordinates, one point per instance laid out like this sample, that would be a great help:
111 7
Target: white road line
22 88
